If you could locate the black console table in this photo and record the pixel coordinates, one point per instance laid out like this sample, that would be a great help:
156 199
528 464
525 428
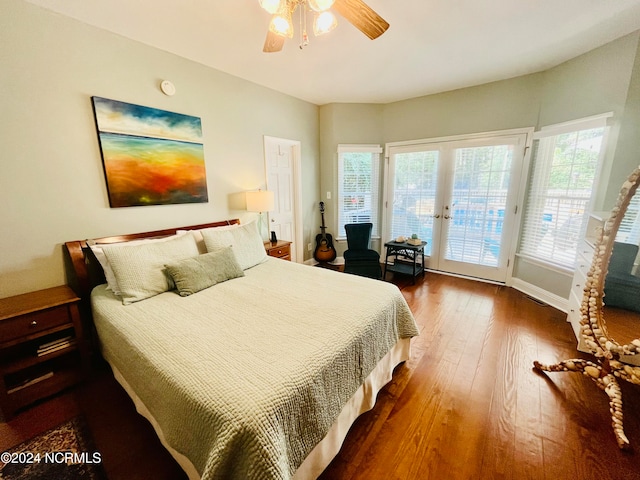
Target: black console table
410 264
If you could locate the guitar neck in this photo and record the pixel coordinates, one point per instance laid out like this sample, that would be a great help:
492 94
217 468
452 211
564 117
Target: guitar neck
322 227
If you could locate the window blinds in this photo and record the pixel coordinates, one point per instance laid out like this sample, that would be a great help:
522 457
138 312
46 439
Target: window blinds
358 186
629 230
566 158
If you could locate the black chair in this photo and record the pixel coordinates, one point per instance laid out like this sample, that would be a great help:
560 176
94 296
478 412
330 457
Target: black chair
621 287
359 258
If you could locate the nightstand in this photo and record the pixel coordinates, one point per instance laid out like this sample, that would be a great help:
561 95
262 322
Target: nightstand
42 348
280 249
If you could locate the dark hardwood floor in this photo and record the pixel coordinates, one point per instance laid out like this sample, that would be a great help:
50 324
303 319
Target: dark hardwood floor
467 405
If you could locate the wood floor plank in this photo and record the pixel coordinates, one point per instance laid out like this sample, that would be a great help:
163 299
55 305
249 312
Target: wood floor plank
455 432
528 443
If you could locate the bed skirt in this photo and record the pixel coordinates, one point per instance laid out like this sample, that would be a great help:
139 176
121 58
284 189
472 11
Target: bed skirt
319 458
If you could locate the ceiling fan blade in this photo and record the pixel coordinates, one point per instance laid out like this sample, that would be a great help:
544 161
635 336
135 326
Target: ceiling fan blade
273 43
361 16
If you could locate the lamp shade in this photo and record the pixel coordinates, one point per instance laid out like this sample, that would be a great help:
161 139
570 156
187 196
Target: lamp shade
271 6
323 23
281 24
260 201
320 5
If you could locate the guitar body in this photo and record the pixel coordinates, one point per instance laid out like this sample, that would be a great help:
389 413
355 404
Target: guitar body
325 251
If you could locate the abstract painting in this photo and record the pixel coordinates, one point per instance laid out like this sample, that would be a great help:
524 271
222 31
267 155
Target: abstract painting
150 156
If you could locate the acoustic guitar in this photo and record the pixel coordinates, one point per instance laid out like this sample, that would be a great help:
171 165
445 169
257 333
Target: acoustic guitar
324 252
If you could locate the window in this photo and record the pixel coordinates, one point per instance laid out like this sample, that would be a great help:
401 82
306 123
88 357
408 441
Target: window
566 160
414 190
629 230
358 186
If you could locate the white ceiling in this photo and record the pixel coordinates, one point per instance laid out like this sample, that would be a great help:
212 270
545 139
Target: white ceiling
431 45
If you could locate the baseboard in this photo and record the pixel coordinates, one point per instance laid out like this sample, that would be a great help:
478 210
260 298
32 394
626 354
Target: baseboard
337 262
541 294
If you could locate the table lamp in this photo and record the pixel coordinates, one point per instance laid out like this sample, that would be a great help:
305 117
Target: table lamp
260 201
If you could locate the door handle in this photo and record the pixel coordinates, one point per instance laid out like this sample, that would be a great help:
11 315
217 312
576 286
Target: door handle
437 215
447 217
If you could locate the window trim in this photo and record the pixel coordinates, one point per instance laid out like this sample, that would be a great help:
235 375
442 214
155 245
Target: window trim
585 123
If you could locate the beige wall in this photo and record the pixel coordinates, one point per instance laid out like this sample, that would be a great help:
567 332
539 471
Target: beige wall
344 123
627 153
500 105
52 186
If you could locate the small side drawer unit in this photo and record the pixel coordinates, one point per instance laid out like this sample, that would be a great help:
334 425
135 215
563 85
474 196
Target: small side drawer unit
42 349
584 258
279 249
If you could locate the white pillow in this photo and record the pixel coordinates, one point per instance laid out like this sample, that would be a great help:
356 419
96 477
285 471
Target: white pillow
245 242
139 269
198 236
112 284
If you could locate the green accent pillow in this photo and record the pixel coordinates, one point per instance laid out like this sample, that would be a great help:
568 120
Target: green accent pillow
194 274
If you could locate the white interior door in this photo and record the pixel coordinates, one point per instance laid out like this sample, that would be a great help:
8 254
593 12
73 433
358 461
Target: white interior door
460 196
282 162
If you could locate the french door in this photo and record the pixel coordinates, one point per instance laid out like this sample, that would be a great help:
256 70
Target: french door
460 196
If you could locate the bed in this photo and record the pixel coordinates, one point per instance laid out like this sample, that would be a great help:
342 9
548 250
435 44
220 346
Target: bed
247 366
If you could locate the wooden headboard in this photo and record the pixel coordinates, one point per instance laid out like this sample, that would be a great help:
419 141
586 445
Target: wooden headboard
85 272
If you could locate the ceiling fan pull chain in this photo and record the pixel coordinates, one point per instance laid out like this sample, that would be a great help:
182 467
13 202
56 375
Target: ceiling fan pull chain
304 38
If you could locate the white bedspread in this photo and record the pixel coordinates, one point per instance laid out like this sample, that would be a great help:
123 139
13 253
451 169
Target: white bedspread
246 377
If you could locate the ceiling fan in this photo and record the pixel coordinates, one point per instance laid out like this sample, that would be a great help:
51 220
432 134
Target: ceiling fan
356 12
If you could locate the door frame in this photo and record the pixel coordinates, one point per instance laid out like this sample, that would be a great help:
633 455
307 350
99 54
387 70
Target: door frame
519 183
296 156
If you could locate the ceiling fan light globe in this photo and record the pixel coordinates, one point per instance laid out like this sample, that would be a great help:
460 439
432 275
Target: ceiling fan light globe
324 23
271 6
320 5
281 25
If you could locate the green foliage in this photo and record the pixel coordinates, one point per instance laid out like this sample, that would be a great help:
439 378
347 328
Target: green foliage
575 159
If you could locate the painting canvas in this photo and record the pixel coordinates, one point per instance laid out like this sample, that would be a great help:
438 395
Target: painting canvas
150 156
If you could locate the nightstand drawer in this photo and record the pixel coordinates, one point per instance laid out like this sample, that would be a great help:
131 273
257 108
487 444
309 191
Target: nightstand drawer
33 322
281 251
